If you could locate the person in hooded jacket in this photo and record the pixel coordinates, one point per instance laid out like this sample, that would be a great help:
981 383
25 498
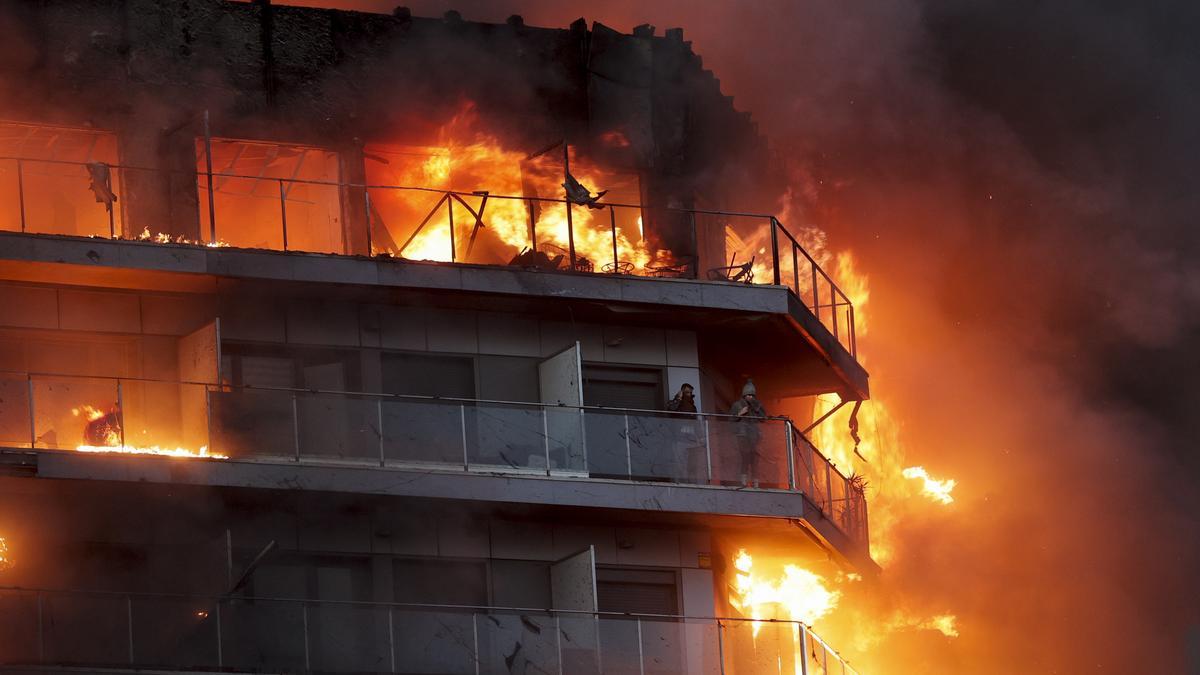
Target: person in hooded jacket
749 413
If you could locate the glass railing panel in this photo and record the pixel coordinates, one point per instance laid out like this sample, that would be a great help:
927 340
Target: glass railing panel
314 217
174 632
164 415
664 647
262 635
10 196
59 201
760 646
85 629
620 646
428 641
19 641
838 506
338 427
580 643
74 411
423 433
506 437
348 638
749 452
517 643
819 658
565 435
609 454
248 423
15 429
667 448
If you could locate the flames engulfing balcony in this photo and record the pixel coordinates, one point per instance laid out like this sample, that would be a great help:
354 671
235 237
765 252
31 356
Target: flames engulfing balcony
477 203
226 632
280 425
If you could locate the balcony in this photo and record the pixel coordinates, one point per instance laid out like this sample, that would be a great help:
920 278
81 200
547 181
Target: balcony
50 628
287 211
706 463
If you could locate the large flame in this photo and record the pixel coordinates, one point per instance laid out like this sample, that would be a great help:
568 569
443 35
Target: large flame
937 490
469 160
796 594
107 438
5 559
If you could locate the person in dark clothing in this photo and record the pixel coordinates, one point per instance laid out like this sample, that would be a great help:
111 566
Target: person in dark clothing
749 412
684 401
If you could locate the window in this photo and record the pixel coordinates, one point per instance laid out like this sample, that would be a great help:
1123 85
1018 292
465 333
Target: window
438 581
57 197
521 583
638 591
429 375
622 387
260 187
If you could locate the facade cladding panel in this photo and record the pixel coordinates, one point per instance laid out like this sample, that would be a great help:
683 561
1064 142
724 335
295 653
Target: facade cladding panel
423 414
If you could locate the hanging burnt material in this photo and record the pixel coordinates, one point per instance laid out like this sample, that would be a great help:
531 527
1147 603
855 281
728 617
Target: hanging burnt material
101 184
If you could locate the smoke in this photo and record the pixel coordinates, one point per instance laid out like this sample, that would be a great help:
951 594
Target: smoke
1016 179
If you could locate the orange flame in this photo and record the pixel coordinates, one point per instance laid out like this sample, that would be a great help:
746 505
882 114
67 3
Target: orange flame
797 594
937 490
112 442
5 561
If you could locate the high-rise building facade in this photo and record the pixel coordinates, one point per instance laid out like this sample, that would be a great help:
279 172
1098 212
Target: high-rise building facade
350 342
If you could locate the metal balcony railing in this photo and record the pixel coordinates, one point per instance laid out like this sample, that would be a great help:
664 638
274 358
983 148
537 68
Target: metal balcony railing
292 214
162 631
57 412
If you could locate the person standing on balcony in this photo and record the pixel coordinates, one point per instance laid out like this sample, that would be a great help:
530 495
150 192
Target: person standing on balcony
749 413
689 454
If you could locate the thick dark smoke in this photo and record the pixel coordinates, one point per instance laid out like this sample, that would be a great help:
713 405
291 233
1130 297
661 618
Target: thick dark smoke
1018 180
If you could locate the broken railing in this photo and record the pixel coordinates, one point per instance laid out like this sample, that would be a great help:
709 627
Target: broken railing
55 412
255 634
286 213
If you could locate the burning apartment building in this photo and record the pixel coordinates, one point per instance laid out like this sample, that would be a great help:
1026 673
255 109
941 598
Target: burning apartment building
351 342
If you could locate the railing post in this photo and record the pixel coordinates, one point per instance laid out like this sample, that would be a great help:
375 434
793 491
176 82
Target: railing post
475 640
628 453
208 167
208 418
450 211
379 418
121 413
546 437
721 645
220 645
21 191
796 271
708 451
462 416
129 624
816 296
803 650
791 462
392 638
283 213
828 488
532 227
296 425
304 616
367 200
567 204
32 418
641 656
558 642
853 334
833 308
775 247
612 218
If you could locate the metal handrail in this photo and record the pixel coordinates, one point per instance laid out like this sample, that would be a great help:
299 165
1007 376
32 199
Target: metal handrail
772 221
804 631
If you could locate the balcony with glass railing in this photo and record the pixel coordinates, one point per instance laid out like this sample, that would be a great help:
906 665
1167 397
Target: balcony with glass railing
120 631
297 201
46 412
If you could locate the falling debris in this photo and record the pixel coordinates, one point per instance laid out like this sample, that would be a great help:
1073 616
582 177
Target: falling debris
578 194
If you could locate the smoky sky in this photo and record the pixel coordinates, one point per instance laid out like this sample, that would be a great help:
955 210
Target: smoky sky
1018 181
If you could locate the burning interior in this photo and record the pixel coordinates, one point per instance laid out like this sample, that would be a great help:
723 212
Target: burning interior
519 384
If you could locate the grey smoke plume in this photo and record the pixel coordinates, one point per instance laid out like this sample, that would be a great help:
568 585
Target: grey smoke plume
1017 179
